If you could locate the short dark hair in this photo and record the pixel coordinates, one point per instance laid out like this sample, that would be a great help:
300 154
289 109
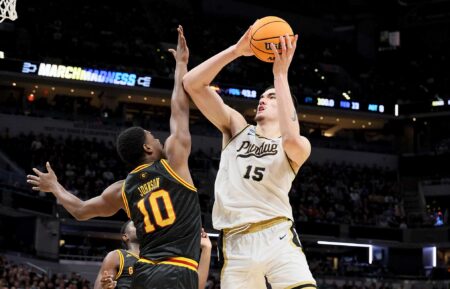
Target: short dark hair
123 231
294 99
130 145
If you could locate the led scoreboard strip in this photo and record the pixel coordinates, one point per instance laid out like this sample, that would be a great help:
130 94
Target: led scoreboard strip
345 104
130 79
85 74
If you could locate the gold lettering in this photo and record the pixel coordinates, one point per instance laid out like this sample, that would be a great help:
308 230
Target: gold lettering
149 186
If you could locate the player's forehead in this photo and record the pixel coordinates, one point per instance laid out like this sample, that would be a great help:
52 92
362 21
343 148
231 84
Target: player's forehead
269 92
149 137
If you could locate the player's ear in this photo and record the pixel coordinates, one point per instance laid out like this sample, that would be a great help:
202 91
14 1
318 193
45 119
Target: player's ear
125 237
147 148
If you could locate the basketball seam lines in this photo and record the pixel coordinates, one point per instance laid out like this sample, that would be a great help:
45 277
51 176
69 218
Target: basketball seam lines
268 38
256 48
276 21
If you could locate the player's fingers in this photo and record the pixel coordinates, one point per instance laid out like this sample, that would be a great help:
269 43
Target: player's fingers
37 172
106 276
275 51
247 33
49 167
33 177
294 42
172 51
288 41
183 41
111 284
33 182
35 188
283 44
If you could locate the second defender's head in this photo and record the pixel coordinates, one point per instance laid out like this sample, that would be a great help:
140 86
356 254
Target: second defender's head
128 232
137 146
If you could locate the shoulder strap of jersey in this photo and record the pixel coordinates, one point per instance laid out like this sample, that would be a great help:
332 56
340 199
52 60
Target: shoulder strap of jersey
139 168
121 264
125 200
236 135
176 176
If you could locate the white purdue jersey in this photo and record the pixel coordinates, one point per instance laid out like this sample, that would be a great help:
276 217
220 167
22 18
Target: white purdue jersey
253 181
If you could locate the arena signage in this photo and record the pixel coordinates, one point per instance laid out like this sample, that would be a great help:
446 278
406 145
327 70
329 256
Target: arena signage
234 91
86 74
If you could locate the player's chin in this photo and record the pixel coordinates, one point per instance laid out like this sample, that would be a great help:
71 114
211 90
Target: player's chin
259 117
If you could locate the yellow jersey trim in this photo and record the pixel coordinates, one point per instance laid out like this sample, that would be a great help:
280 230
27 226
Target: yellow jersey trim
225 258
179 265
132 254
141 167
176 261
125 201
177 177
121 264
255 227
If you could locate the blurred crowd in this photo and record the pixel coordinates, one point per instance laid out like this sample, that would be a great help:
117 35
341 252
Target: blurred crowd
327 193
348 194
21 276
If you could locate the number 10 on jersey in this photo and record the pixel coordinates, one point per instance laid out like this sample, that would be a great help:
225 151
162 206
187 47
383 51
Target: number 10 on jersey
152 203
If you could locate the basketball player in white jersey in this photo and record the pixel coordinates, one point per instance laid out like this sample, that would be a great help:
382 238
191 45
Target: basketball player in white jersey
257 167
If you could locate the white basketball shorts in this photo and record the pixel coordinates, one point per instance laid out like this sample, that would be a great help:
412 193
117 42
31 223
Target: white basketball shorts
267 250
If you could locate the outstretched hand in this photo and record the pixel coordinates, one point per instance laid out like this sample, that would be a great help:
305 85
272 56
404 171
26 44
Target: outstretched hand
44 182
182 52
284 59
107 281
242 47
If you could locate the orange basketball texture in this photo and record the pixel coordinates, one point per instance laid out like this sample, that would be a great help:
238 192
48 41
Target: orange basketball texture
265 31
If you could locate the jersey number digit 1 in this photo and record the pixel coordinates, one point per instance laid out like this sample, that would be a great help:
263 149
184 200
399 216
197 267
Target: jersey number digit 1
257 173
153 202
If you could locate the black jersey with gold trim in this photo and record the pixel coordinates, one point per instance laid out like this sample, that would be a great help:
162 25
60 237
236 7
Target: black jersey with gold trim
165 210
125 272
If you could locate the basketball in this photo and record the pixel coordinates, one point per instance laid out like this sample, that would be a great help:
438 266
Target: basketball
265 31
